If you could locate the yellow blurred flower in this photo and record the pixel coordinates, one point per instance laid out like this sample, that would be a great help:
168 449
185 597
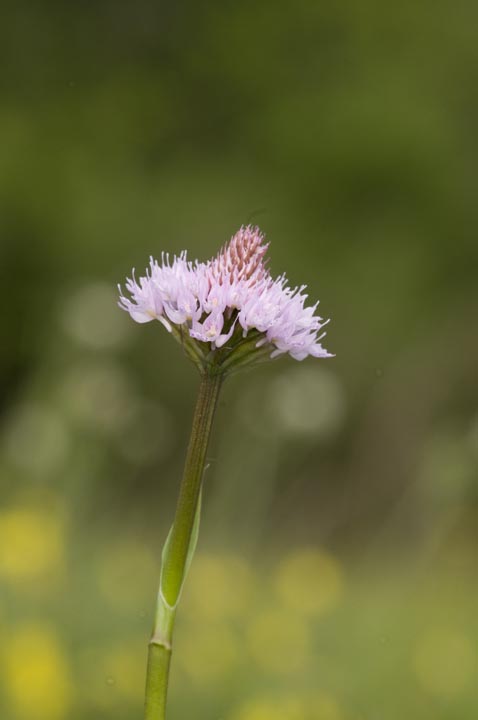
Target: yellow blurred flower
207 653
219 586
309 581
324 707
95 686
290 707
284 708
123 668
444 661
37 679
31 543
278 641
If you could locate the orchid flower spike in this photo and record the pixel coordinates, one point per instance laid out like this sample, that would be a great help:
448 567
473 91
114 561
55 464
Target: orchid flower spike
227 312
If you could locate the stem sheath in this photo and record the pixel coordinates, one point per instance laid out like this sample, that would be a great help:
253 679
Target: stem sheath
175 557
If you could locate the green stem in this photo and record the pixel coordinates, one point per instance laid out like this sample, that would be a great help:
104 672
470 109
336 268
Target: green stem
176 555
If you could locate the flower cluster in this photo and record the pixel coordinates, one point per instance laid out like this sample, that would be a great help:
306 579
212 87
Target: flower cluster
230 302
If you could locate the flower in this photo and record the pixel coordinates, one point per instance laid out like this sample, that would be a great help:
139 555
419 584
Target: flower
229 311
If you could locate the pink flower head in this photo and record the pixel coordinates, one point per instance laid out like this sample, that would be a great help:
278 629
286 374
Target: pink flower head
229 311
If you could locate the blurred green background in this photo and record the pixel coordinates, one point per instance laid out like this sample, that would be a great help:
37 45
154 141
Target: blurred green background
336 576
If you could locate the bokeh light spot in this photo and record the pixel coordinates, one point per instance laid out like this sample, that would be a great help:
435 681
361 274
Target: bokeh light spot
31 543
444 661
278 641
309 581
308 401
283 708
36 439
324 707
219 586
124 670
36 674
209 653
148 434
126 573
99 395
91 317
448 467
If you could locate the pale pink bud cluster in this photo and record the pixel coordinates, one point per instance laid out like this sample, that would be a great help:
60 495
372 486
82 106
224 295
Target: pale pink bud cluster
227 298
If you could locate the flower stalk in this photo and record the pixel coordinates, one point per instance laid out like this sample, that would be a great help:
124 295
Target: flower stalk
180 546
